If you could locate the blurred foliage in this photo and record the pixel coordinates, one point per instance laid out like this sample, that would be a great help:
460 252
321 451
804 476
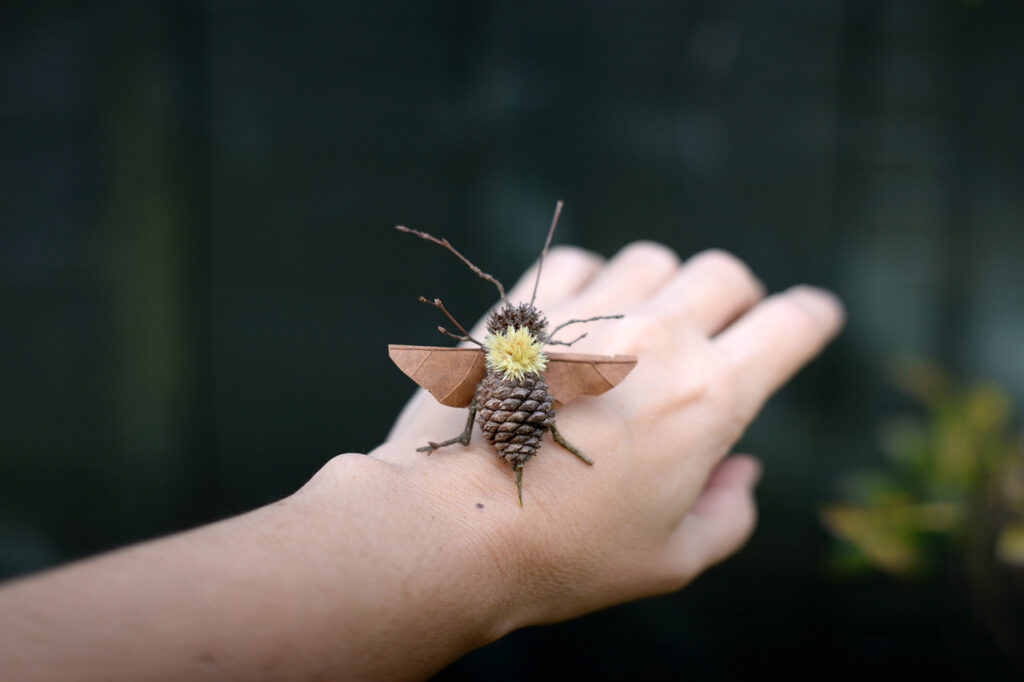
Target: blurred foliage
954 472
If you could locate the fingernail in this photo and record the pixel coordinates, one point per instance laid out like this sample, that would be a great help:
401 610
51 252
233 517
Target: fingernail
821 304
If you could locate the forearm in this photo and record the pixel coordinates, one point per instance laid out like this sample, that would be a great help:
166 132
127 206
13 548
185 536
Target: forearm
355 576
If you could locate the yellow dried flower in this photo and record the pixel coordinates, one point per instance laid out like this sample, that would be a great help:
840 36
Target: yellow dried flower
516 352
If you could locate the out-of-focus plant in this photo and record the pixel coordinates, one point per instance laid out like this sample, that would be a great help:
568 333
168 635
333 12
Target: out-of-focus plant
954 479
952 490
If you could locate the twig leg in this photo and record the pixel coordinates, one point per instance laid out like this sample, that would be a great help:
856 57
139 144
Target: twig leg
461 438
518 472
560 439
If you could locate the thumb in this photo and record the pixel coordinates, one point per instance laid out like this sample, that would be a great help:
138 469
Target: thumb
721 519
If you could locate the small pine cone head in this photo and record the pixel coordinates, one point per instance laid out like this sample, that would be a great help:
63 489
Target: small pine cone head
514 415
522 315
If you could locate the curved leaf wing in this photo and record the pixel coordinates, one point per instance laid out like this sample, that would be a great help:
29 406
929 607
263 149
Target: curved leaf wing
449 374
572 374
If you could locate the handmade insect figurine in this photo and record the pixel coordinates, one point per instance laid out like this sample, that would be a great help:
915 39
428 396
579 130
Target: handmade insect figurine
510 384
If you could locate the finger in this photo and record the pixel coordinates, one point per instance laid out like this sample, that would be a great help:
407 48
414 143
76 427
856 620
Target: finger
567 270
721 519
633 274
766 346
708 292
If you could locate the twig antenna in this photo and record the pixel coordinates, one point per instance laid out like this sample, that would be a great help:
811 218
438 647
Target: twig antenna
444 242
547 243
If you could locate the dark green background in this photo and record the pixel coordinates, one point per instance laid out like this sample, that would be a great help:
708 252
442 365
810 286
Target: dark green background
199 275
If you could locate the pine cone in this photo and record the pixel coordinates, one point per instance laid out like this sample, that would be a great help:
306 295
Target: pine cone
514 415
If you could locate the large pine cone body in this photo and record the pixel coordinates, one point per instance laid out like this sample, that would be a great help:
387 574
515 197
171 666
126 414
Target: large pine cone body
514 414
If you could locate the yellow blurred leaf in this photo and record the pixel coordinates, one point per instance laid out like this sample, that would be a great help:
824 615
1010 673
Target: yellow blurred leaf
936 516
1010 544
988 408
869 532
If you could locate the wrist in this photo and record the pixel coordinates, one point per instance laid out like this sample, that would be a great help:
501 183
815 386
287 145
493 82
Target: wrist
449 533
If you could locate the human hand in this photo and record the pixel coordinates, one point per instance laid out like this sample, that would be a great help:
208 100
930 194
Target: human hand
389 566
662 502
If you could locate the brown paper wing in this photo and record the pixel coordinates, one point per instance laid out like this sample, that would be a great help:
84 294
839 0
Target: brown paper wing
450 374
572 374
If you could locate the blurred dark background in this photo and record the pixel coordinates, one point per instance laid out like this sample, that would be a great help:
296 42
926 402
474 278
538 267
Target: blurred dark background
199 275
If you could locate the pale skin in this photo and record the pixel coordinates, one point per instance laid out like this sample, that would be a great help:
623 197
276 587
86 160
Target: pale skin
392 565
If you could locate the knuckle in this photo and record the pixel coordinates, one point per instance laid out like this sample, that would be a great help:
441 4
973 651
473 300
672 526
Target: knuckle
564 255
631 334
718 258
727 266
650 254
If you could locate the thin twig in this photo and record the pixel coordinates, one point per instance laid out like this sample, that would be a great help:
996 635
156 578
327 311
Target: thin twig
543 252
445 244
560 439
566 343
589 319
440 306
457 337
